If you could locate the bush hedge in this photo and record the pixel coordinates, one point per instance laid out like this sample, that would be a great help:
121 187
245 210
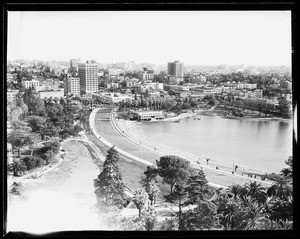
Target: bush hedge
33 162
18 168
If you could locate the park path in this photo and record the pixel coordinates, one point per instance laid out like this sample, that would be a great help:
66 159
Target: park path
60 199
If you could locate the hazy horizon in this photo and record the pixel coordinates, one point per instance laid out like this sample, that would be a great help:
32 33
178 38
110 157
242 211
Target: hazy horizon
152 63
250 38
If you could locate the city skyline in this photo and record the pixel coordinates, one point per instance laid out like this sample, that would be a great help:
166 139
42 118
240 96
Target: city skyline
193 37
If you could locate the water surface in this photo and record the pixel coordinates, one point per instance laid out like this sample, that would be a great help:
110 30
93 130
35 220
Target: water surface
260 145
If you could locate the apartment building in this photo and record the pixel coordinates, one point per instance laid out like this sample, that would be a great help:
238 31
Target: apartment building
88 75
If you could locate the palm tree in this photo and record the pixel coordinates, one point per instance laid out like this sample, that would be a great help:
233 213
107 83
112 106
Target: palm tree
232 212
256 191
216 195
153 190
253 217
280 209
140 199
285 225
280 188
235 190
286 172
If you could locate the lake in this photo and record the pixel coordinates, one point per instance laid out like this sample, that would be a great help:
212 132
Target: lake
251 144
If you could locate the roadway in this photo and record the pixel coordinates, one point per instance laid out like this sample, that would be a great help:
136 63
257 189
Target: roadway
104 128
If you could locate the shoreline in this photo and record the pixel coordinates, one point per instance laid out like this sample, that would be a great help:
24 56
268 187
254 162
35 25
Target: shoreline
128 148
196 161
127 129
257 118
247 117
131 130
216 112
172 119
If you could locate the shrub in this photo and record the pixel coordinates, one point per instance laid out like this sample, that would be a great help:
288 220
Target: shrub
18 168
67 132
53 145
16 188
41 151
33 162
77 129
39 162
29 162
49 156
16 124
48 146
36 123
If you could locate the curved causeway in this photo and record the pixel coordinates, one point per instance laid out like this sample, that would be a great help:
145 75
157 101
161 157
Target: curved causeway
105 129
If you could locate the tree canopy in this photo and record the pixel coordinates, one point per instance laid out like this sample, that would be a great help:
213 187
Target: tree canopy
174 170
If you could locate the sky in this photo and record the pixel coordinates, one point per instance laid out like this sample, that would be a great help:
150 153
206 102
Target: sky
193 37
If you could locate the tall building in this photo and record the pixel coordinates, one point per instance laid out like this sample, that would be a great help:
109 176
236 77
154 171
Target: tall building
88 74
74 63
72 86
176 69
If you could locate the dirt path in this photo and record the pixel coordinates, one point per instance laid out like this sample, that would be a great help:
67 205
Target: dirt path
62 199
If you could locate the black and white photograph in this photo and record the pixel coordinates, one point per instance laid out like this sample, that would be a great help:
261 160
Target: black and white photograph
149 120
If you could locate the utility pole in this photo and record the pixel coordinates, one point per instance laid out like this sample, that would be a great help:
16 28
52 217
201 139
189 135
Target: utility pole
140 149
233 167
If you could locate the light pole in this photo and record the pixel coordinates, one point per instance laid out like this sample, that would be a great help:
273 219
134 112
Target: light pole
233 167
140 149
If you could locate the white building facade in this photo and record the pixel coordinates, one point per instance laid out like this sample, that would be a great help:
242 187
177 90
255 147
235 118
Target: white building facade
30 83
51 93
72 86
88 74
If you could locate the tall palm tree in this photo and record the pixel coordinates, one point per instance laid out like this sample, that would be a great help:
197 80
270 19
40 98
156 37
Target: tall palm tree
253 217
285 225
280 209
231 213
256 191
219 192
280 188
235 190
140 199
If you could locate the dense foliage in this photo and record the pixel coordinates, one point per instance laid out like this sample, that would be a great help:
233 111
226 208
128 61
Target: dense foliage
54 119
247 207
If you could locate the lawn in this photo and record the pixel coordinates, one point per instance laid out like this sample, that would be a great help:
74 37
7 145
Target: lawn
131 170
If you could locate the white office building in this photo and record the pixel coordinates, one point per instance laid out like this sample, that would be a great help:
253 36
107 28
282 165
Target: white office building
88 74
